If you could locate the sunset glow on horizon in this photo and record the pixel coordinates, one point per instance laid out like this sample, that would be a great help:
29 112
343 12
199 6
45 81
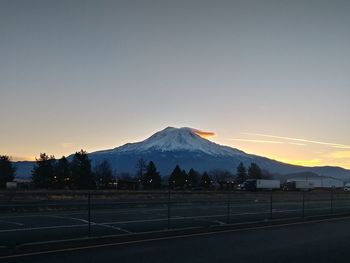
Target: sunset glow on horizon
284 149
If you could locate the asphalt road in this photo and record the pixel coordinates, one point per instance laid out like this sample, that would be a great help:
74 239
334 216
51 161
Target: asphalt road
322 241
66 219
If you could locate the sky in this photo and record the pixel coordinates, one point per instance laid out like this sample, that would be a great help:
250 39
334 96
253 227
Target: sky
268 77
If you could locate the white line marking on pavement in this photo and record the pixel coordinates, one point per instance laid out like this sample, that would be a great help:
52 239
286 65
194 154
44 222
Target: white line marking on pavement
10 222
41 228
71 218
117 228
94 223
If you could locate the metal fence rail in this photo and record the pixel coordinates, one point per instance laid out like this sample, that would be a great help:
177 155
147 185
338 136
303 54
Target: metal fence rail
56 215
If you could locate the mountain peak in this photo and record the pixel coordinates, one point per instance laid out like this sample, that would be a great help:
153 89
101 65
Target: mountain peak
174 133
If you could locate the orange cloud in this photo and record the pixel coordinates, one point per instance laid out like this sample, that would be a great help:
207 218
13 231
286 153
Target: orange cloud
204 134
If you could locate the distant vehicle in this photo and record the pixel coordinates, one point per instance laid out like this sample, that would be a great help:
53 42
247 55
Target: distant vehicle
307 184
313 183
11 185
239 187
289 186
261 184
347 187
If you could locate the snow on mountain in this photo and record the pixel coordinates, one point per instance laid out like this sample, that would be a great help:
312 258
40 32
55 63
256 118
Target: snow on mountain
172 139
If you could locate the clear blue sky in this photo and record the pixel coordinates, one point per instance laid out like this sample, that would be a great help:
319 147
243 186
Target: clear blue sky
97 74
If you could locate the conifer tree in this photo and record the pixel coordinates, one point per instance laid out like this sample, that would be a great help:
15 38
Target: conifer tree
151 179
7 170
241 174
82 175
103 174
192 178
206 181
254 171
177 178
43 173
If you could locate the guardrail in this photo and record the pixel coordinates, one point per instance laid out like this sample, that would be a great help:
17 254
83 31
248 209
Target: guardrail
58 215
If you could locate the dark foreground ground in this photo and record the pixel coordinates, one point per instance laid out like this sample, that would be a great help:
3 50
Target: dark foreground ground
318 241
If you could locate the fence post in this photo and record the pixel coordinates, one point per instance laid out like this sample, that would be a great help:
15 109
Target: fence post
89 213
228 206
271 204
169 215
303 212
332 201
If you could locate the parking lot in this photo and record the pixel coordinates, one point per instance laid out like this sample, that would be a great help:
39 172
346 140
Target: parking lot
27 217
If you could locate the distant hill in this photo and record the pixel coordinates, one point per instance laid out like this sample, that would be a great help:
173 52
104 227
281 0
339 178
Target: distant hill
185 147
24 169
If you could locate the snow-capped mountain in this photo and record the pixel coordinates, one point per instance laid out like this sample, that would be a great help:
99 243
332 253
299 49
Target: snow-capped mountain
184 146
172 139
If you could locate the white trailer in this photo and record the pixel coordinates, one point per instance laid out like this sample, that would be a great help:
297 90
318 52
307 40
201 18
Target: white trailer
307 184
323 182
268 184
332 183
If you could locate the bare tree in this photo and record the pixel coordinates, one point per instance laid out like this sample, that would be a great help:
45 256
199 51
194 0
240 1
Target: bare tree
141 167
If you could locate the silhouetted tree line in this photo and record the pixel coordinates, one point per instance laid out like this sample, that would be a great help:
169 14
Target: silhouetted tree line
253 172
75 174
50 173
220 179
150 178
78 175
180 179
